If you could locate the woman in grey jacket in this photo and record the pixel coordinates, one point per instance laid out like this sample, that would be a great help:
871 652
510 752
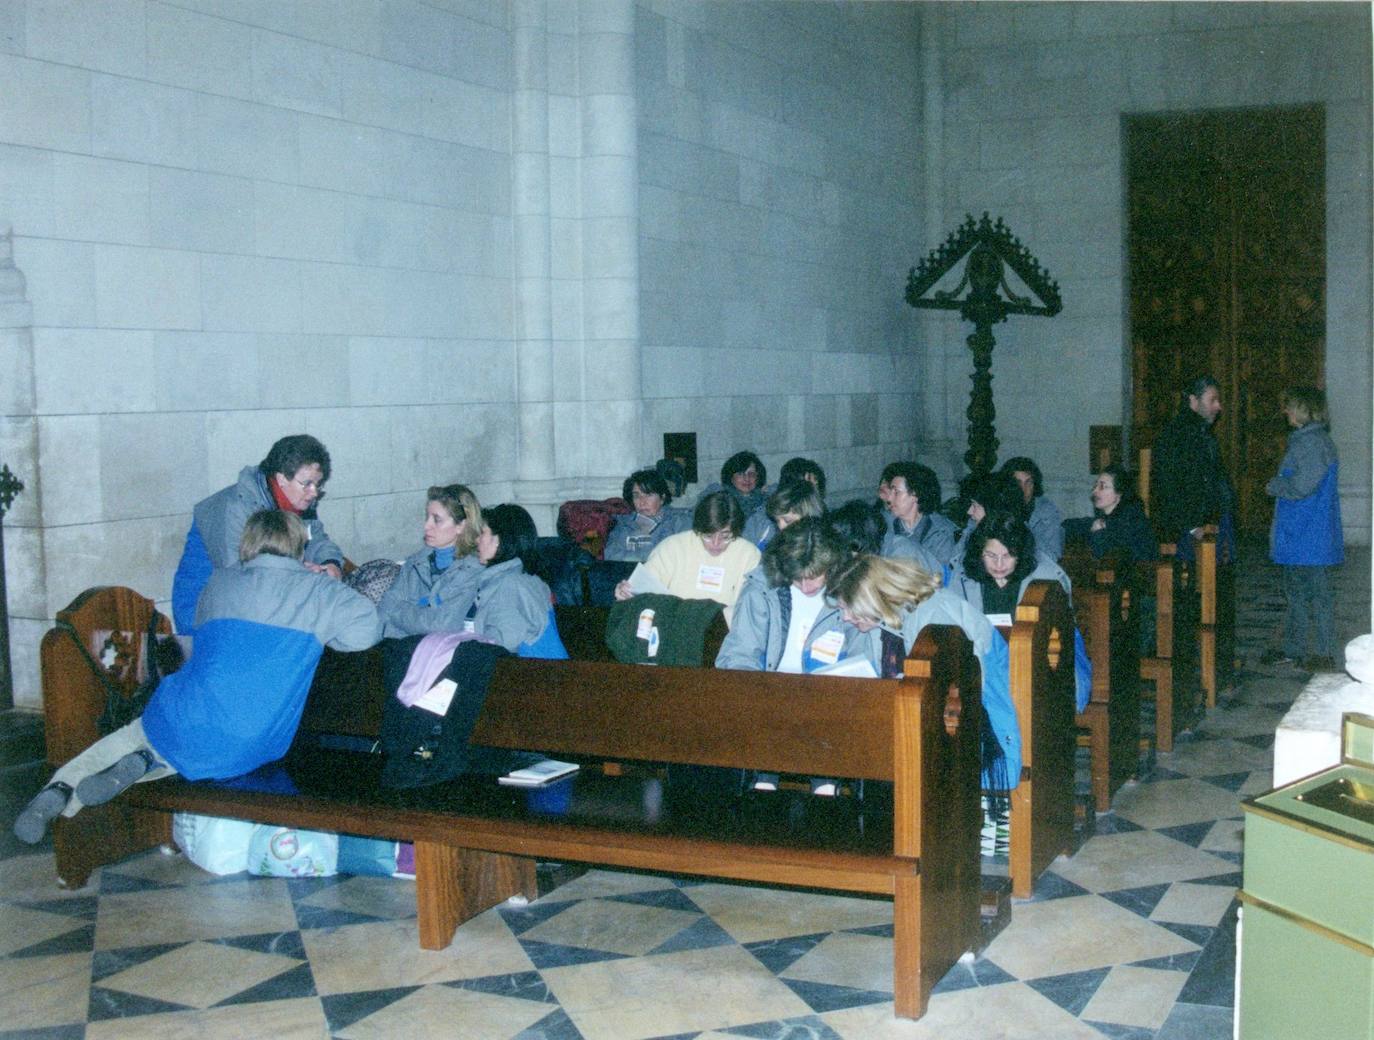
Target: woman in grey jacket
1000 561
437 584
513 606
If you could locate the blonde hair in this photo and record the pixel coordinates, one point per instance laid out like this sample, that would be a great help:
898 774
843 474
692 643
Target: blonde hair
274 532
1307 401
462 505
879 588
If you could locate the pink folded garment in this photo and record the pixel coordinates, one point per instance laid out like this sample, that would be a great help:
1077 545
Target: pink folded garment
432 655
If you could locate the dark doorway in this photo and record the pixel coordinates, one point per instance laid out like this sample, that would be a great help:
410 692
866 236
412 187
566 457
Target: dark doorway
1226 269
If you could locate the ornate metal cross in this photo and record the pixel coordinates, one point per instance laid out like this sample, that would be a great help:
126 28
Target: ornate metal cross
10 486
988 247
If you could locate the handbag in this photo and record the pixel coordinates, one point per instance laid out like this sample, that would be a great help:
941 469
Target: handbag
160 658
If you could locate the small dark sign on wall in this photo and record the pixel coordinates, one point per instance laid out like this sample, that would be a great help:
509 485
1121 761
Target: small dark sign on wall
682 448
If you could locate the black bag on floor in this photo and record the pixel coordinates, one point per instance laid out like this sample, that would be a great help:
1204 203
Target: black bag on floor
422 748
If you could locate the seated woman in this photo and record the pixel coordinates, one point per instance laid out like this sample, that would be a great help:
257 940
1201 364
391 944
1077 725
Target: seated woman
437 585
261 627
887 602
291 478
745 477
999 562
636 534
792 501
799 468
1045 518
861 525
707 562
990 493
513 606
1118 522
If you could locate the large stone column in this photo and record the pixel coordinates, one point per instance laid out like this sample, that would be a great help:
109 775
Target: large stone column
25 573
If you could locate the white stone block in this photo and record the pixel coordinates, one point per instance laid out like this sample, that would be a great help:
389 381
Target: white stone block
388 371
608 186
399 97
233 440
462 305
294 73
250 293
343 300
246 139
100 199
26 185
565 188
69 470
200 211
144 122
672 373
61 280
137 482
86 371
139 553
191 50
413 33
481 54
45 105
296 371
96 34
26 636
146 288
205 371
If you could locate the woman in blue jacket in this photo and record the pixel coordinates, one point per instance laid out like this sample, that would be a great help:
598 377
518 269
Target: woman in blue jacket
261 626
1306 539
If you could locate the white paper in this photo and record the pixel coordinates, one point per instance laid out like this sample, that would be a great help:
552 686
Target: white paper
644 580
999 620
855 667
544 772
438 697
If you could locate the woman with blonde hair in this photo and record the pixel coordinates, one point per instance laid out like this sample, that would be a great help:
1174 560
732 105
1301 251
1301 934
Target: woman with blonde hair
438 583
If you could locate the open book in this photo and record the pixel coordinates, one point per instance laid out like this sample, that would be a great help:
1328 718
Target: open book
539 774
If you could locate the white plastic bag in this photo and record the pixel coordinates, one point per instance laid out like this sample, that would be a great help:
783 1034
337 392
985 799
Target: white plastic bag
287 852
211 843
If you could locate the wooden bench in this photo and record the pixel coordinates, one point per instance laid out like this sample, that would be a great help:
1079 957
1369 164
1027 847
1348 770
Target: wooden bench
1106 609
1042 689
476 842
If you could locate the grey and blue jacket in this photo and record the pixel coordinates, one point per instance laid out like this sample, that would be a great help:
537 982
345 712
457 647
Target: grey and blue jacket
758 628
970 589
930 543
512 607
627 542
1047 524
423 599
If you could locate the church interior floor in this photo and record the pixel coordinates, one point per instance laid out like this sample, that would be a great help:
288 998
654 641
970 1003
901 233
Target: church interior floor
1132 938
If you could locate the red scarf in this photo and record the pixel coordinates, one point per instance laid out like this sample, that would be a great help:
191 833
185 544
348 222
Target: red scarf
279 496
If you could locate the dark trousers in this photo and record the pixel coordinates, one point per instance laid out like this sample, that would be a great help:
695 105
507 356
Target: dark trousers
1311 603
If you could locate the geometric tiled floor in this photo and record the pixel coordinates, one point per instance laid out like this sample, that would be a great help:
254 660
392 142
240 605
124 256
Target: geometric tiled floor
1131 938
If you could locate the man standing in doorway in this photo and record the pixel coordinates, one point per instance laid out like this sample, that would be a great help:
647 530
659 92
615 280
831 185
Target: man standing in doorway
1188 482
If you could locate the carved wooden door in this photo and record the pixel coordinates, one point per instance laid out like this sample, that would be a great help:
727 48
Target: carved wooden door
1226 247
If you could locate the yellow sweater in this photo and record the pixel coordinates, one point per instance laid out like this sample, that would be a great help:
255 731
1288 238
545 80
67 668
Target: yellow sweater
682 563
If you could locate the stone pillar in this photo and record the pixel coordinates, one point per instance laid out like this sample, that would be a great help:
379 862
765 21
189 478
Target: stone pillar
612 403
25 571
530 204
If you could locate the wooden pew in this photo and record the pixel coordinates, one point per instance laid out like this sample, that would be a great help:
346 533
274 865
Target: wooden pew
476 842
1042 689
1105 607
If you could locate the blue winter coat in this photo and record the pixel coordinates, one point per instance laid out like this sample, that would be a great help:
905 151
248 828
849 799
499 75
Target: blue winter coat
1307 511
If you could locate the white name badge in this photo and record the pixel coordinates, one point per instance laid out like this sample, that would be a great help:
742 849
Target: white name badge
469 625
999 620
826 649
646 624
710 579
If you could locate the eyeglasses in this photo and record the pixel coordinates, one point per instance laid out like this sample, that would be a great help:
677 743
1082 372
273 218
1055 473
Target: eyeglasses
991 557
719 540
308 485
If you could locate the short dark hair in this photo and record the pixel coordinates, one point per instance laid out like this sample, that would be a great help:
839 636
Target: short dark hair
739 462
794 496
289 454
673 474
807 549
519 538
716 512
996 492
650 481
1196 387
1012 532
860 525
1025 464
921 481
803 469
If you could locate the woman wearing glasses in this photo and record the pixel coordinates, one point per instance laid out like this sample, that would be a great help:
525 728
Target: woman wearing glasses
999 562
291 478
707 562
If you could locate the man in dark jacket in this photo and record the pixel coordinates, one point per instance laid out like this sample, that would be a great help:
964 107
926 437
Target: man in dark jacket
1188 483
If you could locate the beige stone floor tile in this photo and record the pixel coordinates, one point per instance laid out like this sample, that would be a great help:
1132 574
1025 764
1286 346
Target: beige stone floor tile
1215 757
1008 1012
445 1013
846 959
1135 997
1114 861
607 883
33 879
753 914
250 907
1226 836
387 953
21 927
1078 933
671 993
200 974
301 1019
1170 803
36 992
390 898
165 869
1194 904
626 928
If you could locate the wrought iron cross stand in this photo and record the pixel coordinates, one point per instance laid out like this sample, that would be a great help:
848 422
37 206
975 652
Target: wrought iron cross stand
10 486
988 247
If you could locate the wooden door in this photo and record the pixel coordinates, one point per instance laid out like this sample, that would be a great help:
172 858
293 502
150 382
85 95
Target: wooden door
1226 267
